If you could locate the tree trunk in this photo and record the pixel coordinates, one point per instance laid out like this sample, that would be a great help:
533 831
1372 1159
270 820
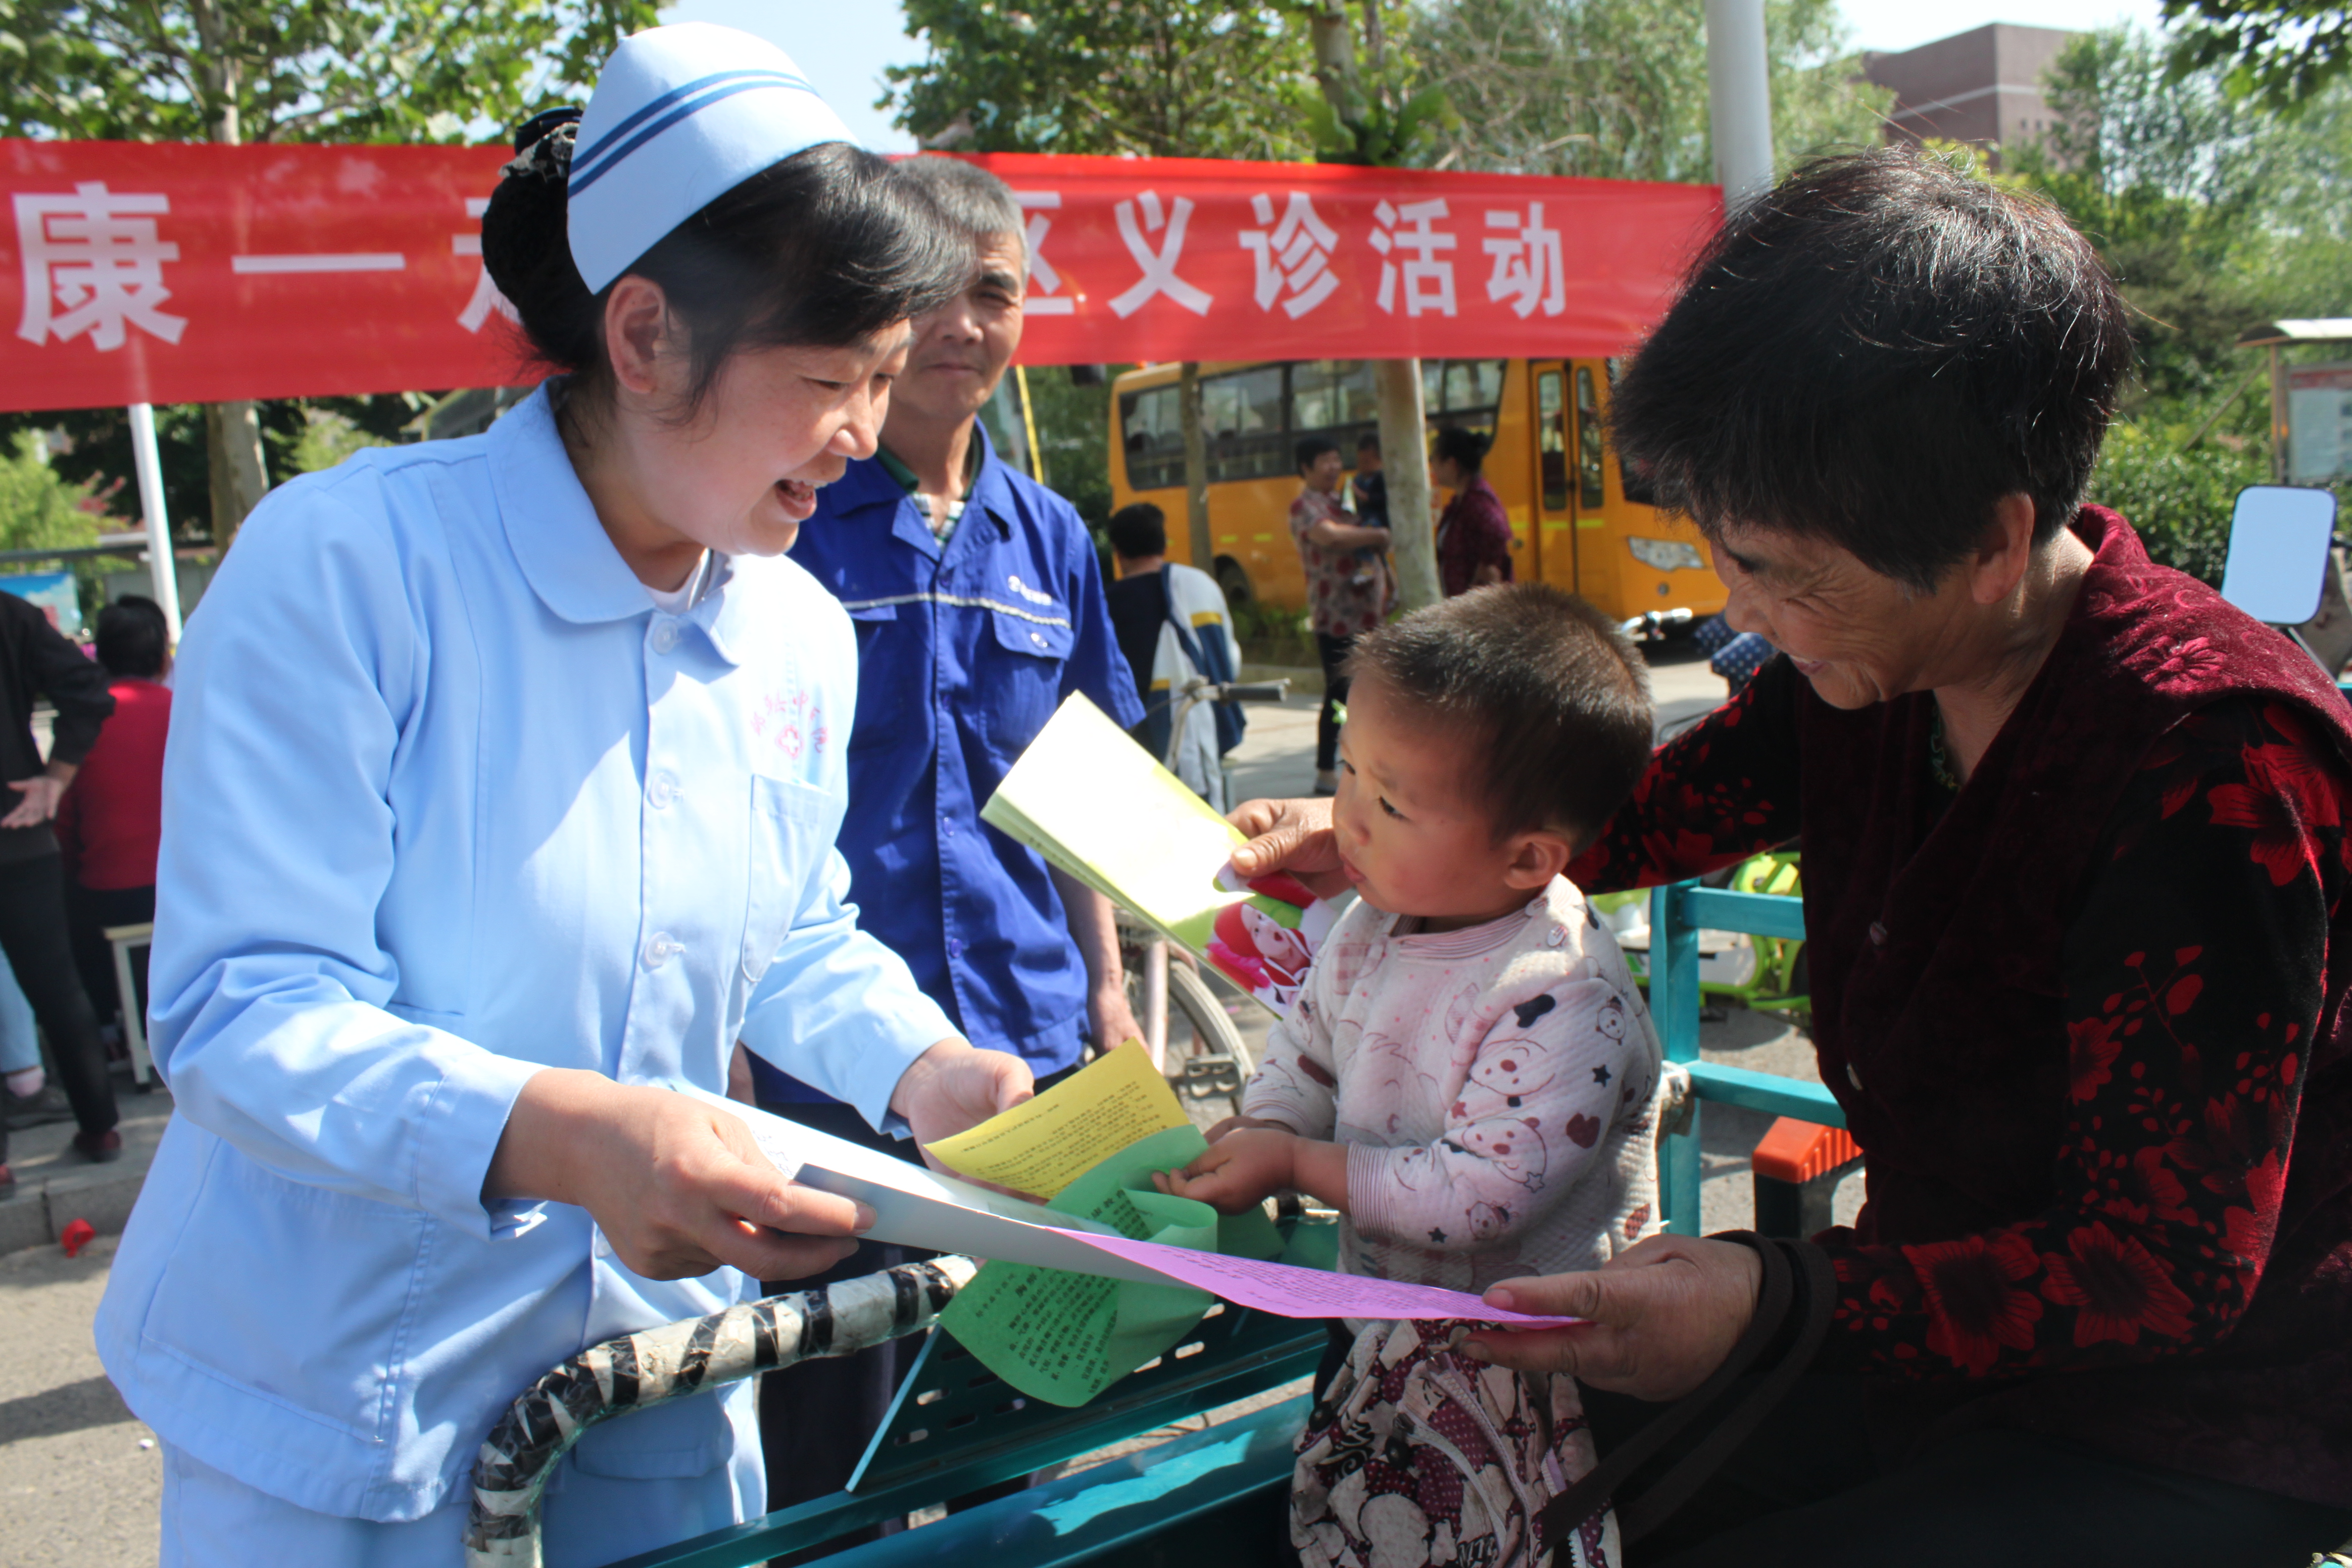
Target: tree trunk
1330 34
1404 459
1196 468
233 452
232 430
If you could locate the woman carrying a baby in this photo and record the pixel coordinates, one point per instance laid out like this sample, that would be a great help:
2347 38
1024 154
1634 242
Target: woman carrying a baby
2075 839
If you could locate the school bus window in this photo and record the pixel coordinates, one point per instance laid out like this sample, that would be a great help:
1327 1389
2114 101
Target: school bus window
1326 395
1241 416
1459 385
1588 440
1551 406
1153 423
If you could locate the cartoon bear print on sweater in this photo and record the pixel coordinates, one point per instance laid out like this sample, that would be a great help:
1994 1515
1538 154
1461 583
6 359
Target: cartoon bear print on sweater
1514 1148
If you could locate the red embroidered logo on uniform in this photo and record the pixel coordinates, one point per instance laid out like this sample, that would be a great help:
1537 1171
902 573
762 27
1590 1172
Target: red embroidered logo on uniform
791 724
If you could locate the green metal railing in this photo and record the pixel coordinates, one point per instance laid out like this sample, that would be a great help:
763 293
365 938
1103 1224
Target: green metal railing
1678 912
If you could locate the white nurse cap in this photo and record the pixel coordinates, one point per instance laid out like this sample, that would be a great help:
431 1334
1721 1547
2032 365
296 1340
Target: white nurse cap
682 115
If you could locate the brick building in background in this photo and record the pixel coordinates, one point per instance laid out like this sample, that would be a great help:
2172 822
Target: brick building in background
1983 86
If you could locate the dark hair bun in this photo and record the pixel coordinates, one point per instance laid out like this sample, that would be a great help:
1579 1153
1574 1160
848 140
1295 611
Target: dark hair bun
527 246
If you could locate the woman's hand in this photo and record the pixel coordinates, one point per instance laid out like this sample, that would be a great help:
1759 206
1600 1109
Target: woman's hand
1662 1315
1292 835
955 1086
678 1186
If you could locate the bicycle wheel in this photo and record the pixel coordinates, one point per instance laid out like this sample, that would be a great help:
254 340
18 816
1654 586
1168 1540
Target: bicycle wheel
1190 994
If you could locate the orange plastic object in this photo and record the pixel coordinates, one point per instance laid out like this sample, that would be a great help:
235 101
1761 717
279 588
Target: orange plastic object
1796 1150
78 1235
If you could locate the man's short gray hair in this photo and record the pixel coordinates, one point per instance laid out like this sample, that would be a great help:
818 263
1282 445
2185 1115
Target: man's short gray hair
975 203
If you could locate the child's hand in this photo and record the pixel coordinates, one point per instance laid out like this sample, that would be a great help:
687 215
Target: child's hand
1235 1124
1239 1172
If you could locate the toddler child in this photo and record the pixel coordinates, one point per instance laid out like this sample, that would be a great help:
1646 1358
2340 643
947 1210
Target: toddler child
1468 1074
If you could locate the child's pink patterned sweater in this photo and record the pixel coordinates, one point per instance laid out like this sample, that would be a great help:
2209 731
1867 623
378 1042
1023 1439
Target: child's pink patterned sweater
1495 1087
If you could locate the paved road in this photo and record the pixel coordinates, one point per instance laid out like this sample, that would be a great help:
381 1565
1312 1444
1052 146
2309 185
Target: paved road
77 1490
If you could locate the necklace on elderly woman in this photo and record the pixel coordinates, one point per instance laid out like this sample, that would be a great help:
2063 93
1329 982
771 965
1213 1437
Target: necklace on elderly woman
1939 762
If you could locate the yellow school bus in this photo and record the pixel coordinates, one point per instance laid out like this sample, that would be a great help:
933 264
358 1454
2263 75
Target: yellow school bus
1572 520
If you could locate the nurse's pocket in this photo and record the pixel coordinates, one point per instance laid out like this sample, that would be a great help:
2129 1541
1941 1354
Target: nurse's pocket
793 828
229 1304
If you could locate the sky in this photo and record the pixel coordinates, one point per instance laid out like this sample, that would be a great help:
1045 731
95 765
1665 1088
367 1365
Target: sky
843 45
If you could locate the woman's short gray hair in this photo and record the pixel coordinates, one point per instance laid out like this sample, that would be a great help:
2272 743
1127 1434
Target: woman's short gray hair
974 203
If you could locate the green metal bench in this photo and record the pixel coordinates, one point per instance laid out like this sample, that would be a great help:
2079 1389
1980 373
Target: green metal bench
1211 1497
1677 913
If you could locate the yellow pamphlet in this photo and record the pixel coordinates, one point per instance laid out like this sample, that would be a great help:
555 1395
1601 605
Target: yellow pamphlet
1042 1145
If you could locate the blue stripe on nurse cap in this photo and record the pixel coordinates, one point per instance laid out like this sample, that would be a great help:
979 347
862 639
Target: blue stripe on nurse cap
682 115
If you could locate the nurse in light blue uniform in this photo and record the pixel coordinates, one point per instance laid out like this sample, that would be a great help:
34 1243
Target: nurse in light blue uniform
503 788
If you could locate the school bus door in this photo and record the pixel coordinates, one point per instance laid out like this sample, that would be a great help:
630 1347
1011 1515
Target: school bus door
1554 425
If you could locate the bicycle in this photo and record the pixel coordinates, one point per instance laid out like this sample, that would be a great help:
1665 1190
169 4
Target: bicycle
1218 1061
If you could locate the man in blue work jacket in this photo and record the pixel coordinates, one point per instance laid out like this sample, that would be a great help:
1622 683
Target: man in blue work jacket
979 606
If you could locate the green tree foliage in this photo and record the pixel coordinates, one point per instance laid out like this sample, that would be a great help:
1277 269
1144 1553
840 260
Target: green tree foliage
2178 499
39 509
285 71
1152 77
2279 55
2214 213
1617 88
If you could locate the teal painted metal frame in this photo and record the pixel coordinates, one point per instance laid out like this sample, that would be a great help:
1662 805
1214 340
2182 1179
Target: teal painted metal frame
1677 911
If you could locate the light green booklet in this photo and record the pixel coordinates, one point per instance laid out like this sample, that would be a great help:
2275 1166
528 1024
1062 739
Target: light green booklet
1094 804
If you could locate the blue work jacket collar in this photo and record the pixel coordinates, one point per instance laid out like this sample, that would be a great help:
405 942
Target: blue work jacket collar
870 484
565 555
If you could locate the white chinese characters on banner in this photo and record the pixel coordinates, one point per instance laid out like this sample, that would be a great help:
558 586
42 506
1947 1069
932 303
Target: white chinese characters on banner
1428 282
1045 297
486 297
1293 255
1158 264
93 262
1528 271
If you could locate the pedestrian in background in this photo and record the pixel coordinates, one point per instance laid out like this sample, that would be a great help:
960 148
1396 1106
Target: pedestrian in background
1343 600
111 820
1172 625
1473 532
36 661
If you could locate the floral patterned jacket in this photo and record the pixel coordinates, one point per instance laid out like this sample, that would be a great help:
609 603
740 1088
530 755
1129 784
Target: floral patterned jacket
2086 1017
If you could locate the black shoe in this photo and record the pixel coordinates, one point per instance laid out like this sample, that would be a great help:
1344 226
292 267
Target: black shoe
38 1110
98 1148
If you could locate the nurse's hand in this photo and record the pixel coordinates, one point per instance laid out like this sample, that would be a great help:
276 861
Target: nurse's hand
679 1187
1292 835
956 1085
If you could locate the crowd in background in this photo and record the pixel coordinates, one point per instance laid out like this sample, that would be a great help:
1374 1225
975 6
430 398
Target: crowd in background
77 859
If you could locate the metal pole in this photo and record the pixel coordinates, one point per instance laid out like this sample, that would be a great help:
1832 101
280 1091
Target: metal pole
161 569
2281 432
1739 100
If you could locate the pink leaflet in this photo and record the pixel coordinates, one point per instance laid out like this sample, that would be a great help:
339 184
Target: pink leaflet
1290 1291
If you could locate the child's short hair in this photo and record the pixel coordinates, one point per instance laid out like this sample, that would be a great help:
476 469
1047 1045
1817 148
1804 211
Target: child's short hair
1554 700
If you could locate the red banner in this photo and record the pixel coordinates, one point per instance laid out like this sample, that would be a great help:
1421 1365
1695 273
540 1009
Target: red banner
178 273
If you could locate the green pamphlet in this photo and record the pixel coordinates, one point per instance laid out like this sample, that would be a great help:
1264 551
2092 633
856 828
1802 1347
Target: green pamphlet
1063 1336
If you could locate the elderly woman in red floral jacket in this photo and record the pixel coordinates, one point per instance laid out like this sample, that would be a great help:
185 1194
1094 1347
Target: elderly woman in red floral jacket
2075 856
